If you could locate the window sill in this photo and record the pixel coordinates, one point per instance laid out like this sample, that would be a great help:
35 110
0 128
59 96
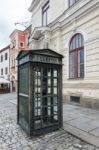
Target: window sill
75 79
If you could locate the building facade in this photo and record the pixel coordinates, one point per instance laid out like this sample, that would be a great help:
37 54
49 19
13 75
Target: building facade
5 64
71 27
19 41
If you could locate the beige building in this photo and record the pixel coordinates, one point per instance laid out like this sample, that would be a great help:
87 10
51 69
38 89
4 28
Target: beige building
71 27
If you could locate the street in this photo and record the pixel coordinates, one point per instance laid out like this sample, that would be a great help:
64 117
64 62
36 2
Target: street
12 137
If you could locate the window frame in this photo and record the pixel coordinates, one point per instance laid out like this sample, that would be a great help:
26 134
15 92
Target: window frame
21 42
69 2
1 58
6 70
2 72
76 51
6 56
45 8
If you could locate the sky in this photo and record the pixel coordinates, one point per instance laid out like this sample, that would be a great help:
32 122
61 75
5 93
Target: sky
12 11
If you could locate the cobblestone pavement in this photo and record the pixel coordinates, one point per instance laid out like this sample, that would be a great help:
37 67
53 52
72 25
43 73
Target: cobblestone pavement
12 137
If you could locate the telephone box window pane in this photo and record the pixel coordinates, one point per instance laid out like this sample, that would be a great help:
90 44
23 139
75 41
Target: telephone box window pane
55 82
55 108
49 90
49 101
55 90
55 117
55 100
49 82
39 82
39 112
49 72
49 111
55 73
35 112
39 103
39 90
36 104
36 90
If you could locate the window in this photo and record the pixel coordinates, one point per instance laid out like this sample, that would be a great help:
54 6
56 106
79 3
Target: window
6 70
75 99
45 14
13 43
2 71
21 44
71 2
76 57
1 58
6 56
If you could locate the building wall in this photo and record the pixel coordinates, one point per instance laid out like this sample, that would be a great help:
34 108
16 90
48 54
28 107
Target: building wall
19 37
56 8
83 17
5 63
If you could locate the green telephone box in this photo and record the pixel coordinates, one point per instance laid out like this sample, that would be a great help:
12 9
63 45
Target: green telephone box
39 104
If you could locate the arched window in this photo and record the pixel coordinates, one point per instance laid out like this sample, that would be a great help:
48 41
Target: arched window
76 57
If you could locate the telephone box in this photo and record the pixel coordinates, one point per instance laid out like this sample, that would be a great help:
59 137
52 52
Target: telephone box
39 104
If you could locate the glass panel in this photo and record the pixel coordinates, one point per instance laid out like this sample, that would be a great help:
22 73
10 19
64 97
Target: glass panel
54 90
72 58
55 117
49 90
35 112
49 72
72 72
49 82
71 46
81 56
72 65
76 38
81 41
55 100
55 73
36 90
39 90
74 43
55 82
44 19
36 82
81 63
39 72
49 111
39 82
82 70
49 101
48 16
55 109
39 112
35 103
39 103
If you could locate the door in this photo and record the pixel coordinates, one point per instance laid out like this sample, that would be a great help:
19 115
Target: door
45 97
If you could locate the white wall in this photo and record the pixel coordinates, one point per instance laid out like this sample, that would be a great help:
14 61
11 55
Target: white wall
57 7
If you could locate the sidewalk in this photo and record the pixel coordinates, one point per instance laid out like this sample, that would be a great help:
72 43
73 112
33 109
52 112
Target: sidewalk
79 121
12 137
82 122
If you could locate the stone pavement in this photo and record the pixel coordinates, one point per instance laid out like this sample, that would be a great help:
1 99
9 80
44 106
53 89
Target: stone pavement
12 137
82 122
